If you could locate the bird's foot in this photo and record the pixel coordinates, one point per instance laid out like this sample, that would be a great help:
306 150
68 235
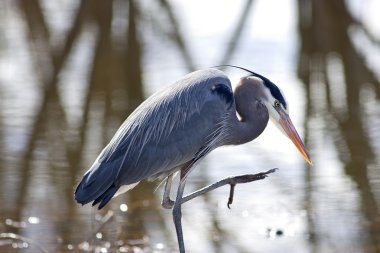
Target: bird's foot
245 179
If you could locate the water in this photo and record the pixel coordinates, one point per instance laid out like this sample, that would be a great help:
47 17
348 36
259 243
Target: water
71 72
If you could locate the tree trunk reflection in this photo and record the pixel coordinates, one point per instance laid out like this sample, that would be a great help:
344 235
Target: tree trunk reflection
325 37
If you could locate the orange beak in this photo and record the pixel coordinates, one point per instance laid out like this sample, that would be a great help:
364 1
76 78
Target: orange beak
291 131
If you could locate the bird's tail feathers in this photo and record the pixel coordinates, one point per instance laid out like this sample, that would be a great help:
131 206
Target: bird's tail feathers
97 185
105 197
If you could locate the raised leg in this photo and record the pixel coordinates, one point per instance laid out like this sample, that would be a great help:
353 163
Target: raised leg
232 181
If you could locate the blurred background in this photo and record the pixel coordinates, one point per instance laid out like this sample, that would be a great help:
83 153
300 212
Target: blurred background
71 72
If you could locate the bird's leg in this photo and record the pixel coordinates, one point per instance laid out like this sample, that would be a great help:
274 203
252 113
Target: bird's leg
177 213
166 201
232 181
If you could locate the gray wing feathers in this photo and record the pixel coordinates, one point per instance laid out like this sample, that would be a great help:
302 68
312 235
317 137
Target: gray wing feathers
167 130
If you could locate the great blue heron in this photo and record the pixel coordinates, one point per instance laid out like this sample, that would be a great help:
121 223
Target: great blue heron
177 127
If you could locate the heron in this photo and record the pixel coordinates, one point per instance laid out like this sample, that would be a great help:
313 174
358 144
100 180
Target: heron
175 128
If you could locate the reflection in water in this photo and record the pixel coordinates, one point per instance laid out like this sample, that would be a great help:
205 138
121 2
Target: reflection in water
331 64
72 71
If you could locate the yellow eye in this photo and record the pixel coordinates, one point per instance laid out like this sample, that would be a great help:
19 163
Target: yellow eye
277 104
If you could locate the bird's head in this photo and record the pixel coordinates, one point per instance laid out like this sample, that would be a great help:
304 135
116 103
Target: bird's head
278 110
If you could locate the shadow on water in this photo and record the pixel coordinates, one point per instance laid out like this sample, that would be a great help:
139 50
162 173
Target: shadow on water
331 64
68 122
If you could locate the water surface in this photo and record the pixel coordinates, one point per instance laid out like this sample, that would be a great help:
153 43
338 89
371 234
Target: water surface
72 71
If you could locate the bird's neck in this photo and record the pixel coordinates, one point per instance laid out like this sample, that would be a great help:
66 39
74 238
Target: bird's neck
253 114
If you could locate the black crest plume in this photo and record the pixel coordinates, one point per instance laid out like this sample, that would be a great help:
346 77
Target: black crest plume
274 90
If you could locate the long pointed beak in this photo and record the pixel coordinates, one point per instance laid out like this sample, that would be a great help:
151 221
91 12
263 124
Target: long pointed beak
291 131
